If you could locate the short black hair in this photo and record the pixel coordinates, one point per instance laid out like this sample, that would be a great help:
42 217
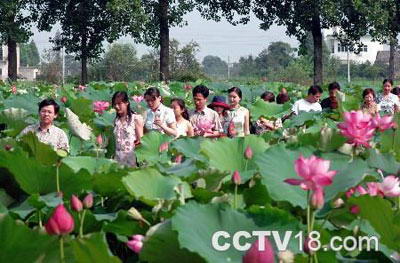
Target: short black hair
396 91
152 92
387 80
268 96
333 86
237 90
282 98
314 89
48 102
203 90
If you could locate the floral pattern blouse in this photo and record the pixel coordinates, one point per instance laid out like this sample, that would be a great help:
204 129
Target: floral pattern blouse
125 137
388 103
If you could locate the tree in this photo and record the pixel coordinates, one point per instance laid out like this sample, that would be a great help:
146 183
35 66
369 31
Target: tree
382 22
85 24
163 14
278 55
214 66
29 54
16 18
120 62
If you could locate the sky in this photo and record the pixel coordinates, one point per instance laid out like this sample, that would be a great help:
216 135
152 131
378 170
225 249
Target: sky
218 39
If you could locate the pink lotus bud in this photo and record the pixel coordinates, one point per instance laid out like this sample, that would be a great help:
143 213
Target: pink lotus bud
163 147
361 190
8 147
260 253
14 89
99 140
137 99
248 153
88 201
309 246
136 243
178 158
81 87
390 186
60 223
317 198
350 192
355 209
76 204
64 99
236 179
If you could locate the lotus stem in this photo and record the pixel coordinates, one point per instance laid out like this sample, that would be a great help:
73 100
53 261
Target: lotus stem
235 198
62 258
81 224
58 177
40 219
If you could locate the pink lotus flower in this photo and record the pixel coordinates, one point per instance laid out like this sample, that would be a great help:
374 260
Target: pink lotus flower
382 123
204 126
248 153
357 128
100 106
390 186
316 175
236 179
178 158
373 189
99 140
88 201
81 87
163 147
14 89
76 204
350 192
361 190
355 209
187 87
136 243
64 99
60 223
260 255
137 99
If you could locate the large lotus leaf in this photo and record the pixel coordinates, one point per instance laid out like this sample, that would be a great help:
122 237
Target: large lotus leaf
151 186
32 176
185 169
276 165
107 184
72 182
124 225
325 139
349 174
383 161
41 201
92 249
14 119
96 94
382 218
162 246
304 118
28 102
212 218
228 154
105 120
190 147
149 151
91 164
42 152
18 243
83 108
262 108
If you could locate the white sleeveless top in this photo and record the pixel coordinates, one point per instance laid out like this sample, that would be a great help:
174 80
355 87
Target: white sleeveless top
238 117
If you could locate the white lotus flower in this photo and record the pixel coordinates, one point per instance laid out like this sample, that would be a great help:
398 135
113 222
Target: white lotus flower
82 130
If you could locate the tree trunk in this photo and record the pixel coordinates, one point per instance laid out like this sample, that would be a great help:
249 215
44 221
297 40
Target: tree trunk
317 41
12 59
391 59
84 76
164 40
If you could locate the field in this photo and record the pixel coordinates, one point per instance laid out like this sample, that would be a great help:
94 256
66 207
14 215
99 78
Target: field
184 190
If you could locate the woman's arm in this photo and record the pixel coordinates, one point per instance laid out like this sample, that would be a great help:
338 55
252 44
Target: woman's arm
247 123
139 127
190 130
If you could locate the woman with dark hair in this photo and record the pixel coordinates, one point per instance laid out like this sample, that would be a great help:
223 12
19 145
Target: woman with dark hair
396 91
388 102
268 96
183 125
239 115
128 129
369 105
158 117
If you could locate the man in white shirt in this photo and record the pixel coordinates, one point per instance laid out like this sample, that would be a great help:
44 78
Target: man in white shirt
310 103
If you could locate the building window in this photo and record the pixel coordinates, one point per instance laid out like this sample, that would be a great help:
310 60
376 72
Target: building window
365 48
1 53
341 48
1 72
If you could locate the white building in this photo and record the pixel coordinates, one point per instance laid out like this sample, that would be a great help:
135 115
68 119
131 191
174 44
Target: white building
27 73
368 51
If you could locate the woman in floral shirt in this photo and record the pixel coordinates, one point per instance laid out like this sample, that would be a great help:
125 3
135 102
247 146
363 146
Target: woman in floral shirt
128 129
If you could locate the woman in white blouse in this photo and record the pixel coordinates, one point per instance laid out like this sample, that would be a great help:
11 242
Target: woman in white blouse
158 117
387 101
238 114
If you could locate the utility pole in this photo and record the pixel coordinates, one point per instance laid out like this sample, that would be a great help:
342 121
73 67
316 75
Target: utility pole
229 68
63 66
